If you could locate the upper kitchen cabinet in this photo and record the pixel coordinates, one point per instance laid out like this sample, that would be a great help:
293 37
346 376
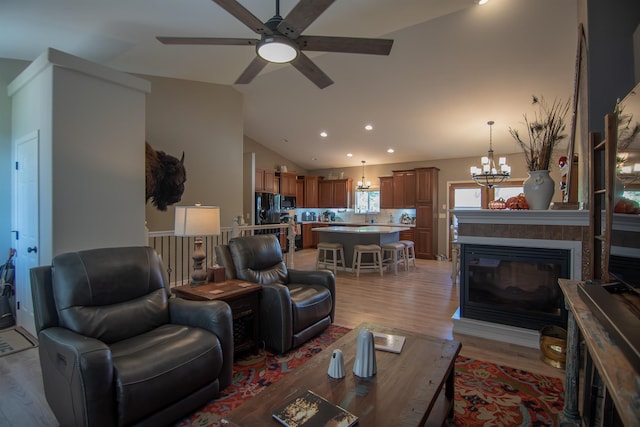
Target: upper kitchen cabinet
311 191
300 193
426 184
265 181
287 184
335 193
404 189
386 192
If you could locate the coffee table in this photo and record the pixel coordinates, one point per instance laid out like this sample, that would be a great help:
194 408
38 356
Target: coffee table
413 388
243 298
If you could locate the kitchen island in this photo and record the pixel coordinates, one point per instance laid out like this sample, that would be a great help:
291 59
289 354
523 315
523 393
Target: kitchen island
364 235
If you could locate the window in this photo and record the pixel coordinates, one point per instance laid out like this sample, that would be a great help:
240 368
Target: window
367 202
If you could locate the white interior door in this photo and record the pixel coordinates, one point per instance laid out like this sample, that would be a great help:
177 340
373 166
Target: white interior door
26 220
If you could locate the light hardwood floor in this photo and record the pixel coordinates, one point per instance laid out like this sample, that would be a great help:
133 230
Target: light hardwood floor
421 300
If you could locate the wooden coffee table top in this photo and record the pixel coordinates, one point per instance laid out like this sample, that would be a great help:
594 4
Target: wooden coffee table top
216 291
405 391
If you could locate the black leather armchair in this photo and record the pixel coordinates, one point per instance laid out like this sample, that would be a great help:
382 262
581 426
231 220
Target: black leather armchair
115 350
295 305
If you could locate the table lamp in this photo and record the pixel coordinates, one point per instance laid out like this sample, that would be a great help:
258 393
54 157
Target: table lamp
197 221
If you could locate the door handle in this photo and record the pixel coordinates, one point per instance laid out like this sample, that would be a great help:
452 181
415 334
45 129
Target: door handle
33 249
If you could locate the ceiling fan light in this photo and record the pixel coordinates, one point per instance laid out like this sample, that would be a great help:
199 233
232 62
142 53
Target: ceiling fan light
277 49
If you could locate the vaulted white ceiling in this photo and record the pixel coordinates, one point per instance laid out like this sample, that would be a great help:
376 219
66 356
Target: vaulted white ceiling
454 65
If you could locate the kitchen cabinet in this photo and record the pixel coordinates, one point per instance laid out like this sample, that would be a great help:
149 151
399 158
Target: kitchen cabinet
335 193
424 187
311 191
426 230
265 181
404 189
407 235
386 192
300 193
287 184
325 194
307 236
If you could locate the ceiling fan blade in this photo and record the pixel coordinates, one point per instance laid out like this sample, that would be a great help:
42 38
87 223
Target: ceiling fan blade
244 16
311 71
251 71
301 16
345 44
208 41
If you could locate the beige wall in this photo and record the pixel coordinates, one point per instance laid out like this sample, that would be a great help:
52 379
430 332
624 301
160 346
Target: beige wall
267 159
205 121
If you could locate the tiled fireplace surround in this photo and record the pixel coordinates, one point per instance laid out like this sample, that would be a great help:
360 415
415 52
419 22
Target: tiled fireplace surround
558 229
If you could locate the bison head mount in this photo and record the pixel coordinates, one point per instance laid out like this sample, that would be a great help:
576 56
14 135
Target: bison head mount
165 178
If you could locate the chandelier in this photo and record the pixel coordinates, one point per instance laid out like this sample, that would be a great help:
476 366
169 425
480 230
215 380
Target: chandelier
363 184
489 175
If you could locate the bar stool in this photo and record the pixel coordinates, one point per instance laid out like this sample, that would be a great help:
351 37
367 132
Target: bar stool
409 251
336 259
375 264
394 254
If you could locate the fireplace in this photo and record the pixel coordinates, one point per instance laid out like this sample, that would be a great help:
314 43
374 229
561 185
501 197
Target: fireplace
511 285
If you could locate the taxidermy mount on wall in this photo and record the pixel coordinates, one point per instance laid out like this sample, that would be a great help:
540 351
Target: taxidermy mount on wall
165 177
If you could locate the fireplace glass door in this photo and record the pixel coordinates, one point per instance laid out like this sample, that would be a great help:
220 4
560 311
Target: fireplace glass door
516 286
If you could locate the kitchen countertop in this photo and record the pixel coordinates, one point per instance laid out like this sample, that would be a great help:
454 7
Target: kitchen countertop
366 229
359 224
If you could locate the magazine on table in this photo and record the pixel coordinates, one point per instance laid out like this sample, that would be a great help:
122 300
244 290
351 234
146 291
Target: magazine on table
312 410
388 342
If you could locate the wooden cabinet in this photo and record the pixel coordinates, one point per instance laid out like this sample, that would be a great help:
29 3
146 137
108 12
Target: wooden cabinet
407 235
426 230
335 193
300 193
265 180
325 194
311 191
287 184
425 189
307 236
404 189
386 192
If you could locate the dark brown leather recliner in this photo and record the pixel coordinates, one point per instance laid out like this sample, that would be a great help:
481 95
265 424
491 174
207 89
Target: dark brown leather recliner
115 350
295 305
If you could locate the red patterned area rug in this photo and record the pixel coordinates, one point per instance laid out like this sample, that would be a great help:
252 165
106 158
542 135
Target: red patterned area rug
493 395
485 394
254 374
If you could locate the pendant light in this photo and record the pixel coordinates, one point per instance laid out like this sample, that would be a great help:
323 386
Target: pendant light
363 184
490 174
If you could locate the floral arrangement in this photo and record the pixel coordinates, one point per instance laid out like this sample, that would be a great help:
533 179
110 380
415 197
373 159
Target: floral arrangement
543 133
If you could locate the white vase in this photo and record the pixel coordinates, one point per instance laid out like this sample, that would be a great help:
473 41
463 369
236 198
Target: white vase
365 363
336 366
539 189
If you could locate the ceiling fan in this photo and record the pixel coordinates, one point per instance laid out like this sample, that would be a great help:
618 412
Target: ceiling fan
281 40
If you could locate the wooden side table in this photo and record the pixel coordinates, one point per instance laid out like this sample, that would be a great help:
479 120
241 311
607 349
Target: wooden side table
243 298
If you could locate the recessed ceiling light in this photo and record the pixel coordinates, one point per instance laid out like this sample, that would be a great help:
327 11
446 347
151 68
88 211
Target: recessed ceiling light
323 134
368 127
481 2
349 155
390 150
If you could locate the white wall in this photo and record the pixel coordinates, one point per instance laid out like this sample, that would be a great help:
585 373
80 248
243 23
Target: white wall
205 121
91 178
9 69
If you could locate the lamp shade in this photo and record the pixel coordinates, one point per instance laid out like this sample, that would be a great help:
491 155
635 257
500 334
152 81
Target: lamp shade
197 221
